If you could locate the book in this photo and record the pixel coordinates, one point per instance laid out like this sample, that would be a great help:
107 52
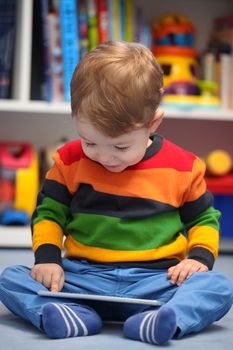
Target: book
138 24
115 16
8 11
224 34
110 18
55 55
225 80
46 53
102 18
129 20
69 41
122 19
92 24
83 27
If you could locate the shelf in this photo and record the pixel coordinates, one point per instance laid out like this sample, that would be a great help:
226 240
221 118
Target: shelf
15 237
35 108
20 237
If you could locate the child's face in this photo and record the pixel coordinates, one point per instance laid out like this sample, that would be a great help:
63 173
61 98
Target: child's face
114 154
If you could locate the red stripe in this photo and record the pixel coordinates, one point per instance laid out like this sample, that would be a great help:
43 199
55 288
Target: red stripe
71 152
169 156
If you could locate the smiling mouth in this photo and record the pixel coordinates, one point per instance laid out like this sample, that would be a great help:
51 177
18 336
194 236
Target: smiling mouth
110 166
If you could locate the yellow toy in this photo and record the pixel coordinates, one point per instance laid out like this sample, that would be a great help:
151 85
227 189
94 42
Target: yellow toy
173 47
218 163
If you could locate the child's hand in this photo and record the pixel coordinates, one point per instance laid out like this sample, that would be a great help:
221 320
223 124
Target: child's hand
177 274
50 275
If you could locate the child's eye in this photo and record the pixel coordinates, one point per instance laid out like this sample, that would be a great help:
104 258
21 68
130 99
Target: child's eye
122 148
88 144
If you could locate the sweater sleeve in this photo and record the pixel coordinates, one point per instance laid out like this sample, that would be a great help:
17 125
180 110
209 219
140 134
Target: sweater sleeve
51 215
201 220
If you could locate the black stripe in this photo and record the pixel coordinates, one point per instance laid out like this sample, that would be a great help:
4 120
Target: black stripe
202 255
192 209
87 200
154 148
48 253
56 191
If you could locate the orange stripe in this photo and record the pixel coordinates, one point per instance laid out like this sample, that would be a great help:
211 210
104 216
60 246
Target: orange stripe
164 185
140 183
176 249
198 183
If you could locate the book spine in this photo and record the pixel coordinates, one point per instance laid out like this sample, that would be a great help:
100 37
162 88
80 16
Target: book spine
92 24
129 15
110 19
209 66
102 15
83 27
122 19
69 40
56 57
147 39
116 20
138 24
7 36
226 61
47 93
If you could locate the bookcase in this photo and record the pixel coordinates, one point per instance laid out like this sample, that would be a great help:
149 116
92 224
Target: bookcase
43 123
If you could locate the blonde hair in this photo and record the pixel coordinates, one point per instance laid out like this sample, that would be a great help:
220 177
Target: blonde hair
117 87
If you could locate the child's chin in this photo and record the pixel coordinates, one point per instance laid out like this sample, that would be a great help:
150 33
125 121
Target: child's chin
115 169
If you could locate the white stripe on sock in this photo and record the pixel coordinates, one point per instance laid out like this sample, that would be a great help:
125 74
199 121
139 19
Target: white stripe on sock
148 328
64 318
153 328
64 307
142 326
85 330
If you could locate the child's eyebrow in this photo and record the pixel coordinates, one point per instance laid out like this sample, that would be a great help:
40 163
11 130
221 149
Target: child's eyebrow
84 138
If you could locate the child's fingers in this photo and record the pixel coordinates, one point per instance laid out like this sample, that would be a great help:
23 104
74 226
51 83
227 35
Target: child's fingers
57 283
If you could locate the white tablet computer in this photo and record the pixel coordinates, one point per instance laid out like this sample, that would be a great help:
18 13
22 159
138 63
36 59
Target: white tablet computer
105 298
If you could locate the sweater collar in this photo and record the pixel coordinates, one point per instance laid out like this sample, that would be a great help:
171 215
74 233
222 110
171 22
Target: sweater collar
155 146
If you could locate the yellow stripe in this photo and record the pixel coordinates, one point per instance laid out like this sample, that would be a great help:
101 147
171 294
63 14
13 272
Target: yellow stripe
176 249
47 232
205 237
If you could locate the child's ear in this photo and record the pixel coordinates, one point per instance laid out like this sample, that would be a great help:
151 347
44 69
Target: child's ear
157 120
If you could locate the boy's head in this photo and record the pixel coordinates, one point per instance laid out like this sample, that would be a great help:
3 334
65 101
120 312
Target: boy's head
117 87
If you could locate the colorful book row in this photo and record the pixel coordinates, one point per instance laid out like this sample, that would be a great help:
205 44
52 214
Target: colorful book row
69 29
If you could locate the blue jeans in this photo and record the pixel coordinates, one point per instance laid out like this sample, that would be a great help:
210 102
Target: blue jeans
202 299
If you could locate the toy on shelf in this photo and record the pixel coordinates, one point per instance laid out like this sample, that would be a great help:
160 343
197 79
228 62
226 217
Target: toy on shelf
19 182
173 46
218 163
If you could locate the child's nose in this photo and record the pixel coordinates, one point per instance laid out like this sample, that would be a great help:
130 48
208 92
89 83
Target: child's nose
105 158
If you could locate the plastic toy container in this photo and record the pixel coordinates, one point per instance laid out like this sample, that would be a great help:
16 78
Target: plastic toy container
222 189
19 182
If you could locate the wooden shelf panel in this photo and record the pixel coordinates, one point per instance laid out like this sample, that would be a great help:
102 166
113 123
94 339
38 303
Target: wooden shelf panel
35 108
15 237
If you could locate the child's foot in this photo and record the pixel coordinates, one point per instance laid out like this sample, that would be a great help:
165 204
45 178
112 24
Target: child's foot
151 327
68 320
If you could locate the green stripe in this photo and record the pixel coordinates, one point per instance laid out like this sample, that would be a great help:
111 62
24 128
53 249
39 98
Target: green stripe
118 234
49 209
209 217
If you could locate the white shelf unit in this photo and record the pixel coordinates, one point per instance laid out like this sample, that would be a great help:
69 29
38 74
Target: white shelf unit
44 123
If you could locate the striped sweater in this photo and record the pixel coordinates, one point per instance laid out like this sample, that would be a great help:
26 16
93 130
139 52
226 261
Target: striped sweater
151 214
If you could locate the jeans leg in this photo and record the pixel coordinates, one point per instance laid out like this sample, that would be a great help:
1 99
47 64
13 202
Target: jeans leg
18 292
201 300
